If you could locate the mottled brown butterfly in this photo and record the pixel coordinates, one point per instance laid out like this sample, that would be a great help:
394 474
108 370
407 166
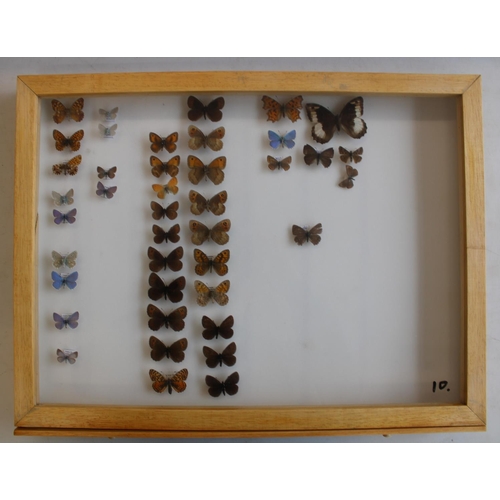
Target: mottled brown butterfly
215 358
172 260
175 382
206 264
172 291
73 141
199 139
159 143
351 174
213 171
212 294
170 167
279 163
218 233
350 156
175 352
304 234
106 174
174 320
276 110
229 386
215 204
225 329
311 155
74 111
212 110
171 235
325 122
68 168
160 213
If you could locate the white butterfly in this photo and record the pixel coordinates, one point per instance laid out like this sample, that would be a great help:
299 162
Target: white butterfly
60 199
109 116
108 132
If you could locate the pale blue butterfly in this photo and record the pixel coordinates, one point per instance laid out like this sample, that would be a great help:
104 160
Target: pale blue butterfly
63 280
281 140
66 320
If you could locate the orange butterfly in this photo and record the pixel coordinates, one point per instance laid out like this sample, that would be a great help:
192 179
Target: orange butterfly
176 382
206 264
162 190
74 112
276 110
73 141
158 143
208 294
70 167
170 167
199 139
212 171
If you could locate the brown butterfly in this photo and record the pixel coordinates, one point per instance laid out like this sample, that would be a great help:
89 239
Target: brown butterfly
171 167
215 204
174 320
172 260
158 143
275 110
325 157
225 329
229 386
162 190
106 174
68 168
212 110
175 352
351 173
215 358
160 213
206 264
74 111
350 156
199 139
279 163
218 233
325 122
172 291
73 141
212 171
175 382
171 235
303 234
217 294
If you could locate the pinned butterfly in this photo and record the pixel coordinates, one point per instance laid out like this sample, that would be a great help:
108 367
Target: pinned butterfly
171 235
108 132
213 140
212 110
215 358
218 233
64 280
162 190
213 171
63 321
159 262
109 116
212 330
200 204
216 294
279 163
66 199
160 213
106 174
68 260
170 167
303 234
351 174
228 386
172 291
275 110
205 264
323 157
159 143
68 168
175 352
73 141
107 192
174 320
67 356
350 156
175 382
276 140
69 217
74 112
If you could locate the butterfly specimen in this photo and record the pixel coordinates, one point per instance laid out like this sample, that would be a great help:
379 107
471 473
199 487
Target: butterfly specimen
74 111
68 168
218 233
229 386
106 174
59 260
208 294
171 235
159 143
276 110
66 199
70 320
160 213
67 355
175 352
172 260
109 116
199 139
225 329
215 204
68 217
105 191
325 122
172 291
206 264
350 156
171 167
304 234
279 163
311 155
108 132
212 110
275 140
351 174
64 280
73 141
175 382
215 358
212 171
162 190
174 320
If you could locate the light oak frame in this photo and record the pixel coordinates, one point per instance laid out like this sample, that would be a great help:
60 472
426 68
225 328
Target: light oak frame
32 418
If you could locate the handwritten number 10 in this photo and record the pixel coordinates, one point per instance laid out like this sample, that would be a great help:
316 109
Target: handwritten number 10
441 385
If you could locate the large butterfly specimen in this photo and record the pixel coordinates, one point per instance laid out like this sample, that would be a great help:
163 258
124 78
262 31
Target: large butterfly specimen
275 110
218 233
212 140
159 262
212 330
175 382
228 386
323 157
303 234
172 291
174 320
213 171
212 110
175 352
74 111
68 168
215 358
73 141
212 294
205 264
159 143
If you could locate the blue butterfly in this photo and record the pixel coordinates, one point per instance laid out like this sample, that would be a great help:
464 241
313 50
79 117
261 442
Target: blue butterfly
67 217
281 140
63 280
70 320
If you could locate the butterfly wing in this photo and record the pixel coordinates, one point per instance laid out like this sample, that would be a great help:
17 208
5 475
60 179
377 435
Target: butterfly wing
345 155
218 233
177 382
274 139
310 154
213 139
273 163
70 280
61 356
196 169
227 355
174 290
220 293
198 202
156 317
173 259
356 155
231 384
292 108
215 387
159 381
57 259
57 279
350 118
158 262
111 173
173 234
158 287
110 191
216 203
60 138
70 259
203 292
219 263
101 190
58 216
300 235
203 262
314 233
273 108
213 358
170 142
226 328
70 216
197 138
176 350
214 170
158 348
196 108
288 139
325 157
200 232
59 322
59 111
75 111
213 109
72 320
211 330
74 140
172 186
175 319
324 122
